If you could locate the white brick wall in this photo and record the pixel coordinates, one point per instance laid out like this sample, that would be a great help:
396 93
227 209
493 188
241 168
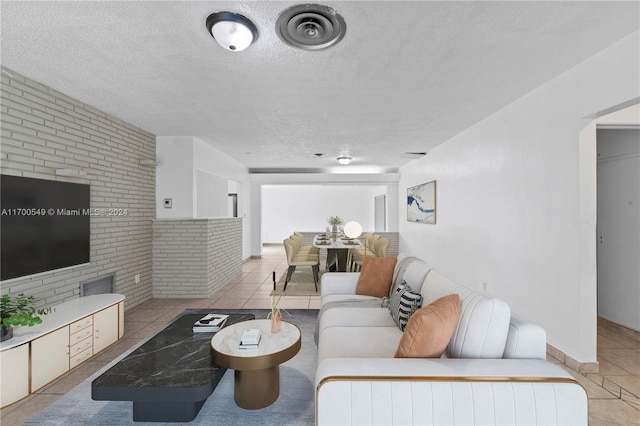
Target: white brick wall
43 130
194 257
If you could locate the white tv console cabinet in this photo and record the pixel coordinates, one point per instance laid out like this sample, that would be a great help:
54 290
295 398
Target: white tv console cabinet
74 332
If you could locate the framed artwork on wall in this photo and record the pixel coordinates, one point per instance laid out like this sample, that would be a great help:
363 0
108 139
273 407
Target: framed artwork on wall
421 203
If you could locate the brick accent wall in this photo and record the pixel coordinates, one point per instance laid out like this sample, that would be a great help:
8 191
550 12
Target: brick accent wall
194 257
43 130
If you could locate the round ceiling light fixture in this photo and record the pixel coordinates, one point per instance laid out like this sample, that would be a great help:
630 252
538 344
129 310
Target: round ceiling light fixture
232 31
344 160
310 27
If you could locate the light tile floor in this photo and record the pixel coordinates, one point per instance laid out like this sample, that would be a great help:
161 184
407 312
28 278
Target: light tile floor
614 393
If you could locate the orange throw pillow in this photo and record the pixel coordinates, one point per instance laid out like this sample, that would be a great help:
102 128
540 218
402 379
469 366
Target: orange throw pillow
376 276
429 329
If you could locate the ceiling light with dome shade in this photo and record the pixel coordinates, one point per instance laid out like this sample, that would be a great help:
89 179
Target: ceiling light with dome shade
232 31
344 160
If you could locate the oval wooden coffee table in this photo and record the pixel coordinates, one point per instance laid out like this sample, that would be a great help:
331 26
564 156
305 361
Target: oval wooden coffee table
257 371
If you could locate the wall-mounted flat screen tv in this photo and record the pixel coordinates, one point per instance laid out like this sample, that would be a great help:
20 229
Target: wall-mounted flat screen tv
44 225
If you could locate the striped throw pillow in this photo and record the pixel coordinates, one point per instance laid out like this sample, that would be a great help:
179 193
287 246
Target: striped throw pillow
403 303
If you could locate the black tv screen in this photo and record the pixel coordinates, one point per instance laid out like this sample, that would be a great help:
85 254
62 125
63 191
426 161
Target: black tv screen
44 225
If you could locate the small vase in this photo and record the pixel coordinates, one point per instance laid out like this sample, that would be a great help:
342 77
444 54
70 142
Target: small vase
275 323
7 333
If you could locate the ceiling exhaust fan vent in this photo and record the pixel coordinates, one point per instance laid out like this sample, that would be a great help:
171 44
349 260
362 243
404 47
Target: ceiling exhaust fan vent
310 27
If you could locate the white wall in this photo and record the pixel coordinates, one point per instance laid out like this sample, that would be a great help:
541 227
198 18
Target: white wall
216 162
516 199
619 226
181 161
212 195
629 116
388 180
174 176
393 219
306 208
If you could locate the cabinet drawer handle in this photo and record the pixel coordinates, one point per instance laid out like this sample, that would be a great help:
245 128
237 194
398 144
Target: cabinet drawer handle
97 334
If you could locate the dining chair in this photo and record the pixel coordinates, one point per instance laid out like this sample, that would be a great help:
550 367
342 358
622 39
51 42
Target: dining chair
302 248
367 250
381 247
294 259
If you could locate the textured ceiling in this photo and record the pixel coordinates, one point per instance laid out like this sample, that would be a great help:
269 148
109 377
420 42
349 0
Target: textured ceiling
406 77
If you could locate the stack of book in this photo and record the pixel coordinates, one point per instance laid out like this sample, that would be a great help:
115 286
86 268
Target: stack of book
210 323
250 338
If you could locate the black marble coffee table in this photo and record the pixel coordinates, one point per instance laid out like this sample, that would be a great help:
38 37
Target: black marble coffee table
170 376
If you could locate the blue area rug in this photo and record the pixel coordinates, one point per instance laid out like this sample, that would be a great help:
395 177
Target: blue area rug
295 406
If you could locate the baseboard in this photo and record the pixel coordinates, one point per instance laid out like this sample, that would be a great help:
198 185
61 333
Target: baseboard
619 328
592 367
580 367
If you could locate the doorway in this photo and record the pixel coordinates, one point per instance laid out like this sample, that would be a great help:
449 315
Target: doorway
618 225
233 205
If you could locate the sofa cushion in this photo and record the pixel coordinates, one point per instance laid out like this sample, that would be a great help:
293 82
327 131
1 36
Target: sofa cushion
356 317
484 321
375 277
429 329
331 298
403 303
525 340
411 270
358 342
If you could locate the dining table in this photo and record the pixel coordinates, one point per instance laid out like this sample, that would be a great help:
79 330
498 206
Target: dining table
337 250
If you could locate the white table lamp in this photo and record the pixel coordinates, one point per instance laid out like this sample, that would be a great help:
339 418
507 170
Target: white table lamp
352 229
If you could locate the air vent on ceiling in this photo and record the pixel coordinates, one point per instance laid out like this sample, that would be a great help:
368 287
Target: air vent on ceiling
310 27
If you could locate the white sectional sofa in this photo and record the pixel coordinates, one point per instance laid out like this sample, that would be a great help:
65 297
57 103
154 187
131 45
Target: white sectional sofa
493 370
